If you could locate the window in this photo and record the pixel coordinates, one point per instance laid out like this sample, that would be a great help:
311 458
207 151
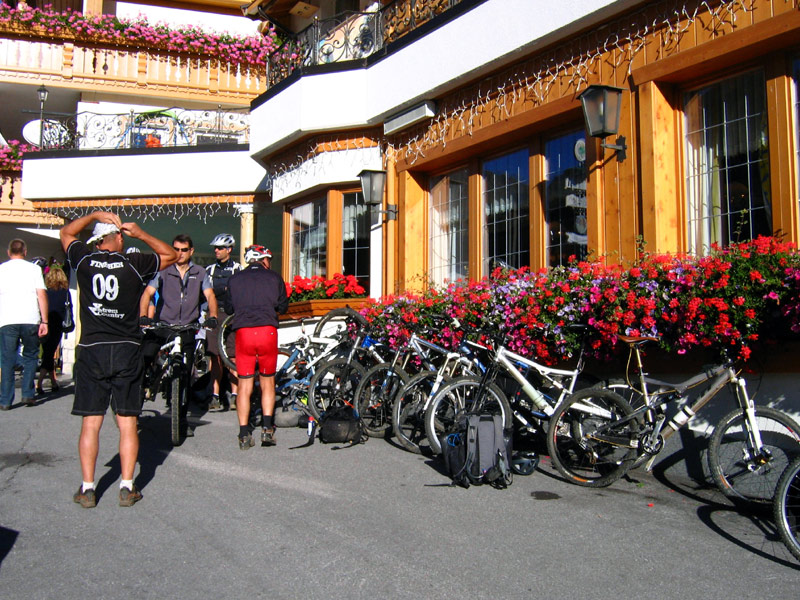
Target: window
565 198
449 235
727 162
355 238
796 77
309 239
505 206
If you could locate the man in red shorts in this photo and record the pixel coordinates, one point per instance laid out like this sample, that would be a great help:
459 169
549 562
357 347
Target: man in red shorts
256 296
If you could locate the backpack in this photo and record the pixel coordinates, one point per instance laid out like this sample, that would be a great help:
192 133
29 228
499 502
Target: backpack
478 450
341 424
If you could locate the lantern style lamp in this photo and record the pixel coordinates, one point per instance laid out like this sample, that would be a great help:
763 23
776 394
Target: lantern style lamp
42 92
601 109
373 183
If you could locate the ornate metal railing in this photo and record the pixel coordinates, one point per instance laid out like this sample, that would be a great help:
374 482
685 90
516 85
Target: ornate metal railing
149 129
353 35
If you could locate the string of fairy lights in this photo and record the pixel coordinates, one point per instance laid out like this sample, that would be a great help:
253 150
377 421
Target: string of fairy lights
173 209
531 82
534 80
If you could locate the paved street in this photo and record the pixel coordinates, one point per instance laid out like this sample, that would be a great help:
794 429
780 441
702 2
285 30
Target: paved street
366 522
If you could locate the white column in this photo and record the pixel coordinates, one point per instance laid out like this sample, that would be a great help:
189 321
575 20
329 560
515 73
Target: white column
246 227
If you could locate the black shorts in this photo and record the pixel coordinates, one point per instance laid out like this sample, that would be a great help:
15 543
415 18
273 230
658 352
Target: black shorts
108 373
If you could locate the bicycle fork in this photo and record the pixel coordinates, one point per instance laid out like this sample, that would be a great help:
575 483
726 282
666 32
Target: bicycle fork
755 454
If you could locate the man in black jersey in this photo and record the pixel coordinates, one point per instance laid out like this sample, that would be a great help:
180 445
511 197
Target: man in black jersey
219 273
108 368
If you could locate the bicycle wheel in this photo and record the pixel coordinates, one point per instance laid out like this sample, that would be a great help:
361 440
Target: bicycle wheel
225 331
463 394
177 404
333 384
408 416
337 321
375 395
737 471
582 452
787 508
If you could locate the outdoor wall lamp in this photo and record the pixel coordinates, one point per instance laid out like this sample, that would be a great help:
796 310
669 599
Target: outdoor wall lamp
373 183
42 93
601 108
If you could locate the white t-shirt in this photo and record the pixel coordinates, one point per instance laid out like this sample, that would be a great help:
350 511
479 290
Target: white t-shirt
19 303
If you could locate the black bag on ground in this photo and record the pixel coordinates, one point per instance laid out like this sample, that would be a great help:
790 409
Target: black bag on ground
340 424
478 450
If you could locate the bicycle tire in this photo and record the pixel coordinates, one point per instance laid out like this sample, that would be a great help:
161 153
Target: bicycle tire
730 462
176 408
581 459
374 397
224 331
333 384
408 418
458 396
337 321
787 508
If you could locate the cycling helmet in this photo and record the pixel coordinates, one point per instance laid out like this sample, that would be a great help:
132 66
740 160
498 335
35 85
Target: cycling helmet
223 239
255 253
524 462
39 261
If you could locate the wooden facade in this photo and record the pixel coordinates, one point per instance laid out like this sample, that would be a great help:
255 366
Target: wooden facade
654 54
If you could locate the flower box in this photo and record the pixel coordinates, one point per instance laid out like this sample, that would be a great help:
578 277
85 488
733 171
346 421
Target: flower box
319 308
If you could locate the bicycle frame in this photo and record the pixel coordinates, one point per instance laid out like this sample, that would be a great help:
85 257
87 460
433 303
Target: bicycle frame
719 377
508 361
301 347
177 361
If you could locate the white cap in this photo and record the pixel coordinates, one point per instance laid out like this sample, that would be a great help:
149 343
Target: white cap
101 230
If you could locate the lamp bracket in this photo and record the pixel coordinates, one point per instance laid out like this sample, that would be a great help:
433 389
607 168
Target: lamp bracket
390 212
620 146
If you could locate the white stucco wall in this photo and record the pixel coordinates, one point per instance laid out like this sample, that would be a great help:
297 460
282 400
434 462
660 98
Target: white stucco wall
489 34
325 169
142 175
233 24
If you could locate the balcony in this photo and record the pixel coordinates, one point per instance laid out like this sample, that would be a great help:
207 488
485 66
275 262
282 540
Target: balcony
30 55
173 127
353 35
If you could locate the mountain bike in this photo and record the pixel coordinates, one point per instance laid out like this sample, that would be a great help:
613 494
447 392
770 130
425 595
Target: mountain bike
537 390
375 394
596 435
413 399
172 370
334 382
787 507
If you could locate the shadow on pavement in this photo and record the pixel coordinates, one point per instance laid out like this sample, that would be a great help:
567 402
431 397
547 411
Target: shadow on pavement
7 539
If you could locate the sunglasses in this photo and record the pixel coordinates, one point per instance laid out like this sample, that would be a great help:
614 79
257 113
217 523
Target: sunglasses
220 248
181 249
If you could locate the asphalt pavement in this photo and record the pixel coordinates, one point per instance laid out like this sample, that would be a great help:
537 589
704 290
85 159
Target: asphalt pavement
369 521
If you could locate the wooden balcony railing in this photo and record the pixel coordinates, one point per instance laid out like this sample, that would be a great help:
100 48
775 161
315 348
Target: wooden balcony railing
78 64
15 209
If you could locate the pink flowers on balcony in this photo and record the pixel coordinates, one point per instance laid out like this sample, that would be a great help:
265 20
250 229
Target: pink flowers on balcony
11 155
229 49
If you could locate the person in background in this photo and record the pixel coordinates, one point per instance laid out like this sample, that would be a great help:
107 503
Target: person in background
219 273
108 369
57 293
256 296
23 319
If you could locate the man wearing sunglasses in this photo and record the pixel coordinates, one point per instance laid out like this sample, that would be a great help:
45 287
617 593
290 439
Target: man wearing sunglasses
219 273
182 289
